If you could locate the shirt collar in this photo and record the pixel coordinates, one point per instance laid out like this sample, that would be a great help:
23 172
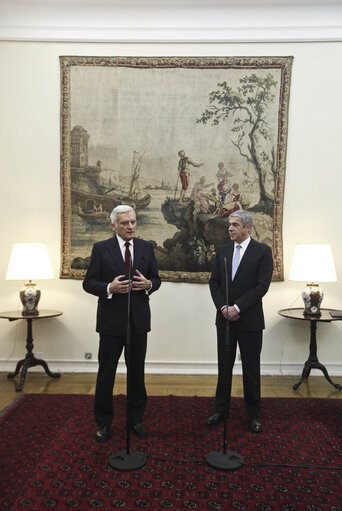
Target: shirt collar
244 244
122 242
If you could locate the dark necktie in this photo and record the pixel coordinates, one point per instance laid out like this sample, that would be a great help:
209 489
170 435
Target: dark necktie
128 258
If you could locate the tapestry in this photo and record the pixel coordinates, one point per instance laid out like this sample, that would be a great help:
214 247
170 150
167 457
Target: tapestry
185 141
50 460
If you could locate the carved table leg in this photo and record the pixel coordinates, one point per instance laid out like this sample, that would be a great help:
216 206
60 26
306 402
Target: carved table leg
30 360
313 362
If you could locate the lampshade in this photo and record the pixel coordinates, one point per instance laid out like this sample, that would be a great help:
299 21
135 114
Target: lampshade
312 263
29 261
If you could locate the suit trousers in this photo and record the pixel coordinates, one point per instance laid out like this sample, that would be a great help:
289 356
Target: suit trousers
110 350
250 343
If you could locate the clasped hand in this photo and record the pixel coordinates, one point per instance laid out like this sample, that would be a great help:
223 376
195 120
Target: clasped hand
139 283
231 313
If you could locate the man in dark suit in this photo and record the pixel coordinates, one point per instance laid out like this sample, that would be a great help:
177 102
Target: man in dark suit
246 286
111 263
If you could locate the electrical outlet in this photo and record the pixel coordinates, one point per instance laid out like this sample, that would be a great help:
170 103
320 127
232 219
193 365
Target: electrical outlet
39 354
88 356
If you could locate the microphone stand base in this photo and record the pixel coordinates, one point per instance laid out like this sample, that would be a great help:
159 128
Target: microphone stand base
123 460
229 460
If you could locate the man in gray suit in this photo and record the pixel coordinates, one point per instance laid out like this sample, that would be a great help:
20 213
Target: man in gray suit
112 262
249 266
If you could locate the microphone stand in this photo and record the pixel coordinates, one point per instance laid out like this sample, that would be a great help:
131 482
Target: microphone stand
126 459
223 459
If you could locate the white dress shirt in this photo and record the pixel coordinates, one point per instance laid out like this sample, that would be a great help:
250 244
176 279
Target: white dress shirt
243 248
122 245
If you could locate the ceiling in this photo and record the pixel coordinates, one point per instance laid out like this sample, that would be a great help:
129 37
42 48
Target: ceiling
171 20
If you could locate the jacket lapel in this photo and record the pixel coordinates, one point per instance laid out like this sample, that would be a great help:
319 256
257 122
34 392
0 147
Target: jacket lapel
116 256
136 254
228 253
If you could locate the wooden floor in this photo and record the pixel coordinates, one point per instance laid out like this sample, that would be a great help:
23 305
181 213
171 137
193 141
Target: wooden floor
163 385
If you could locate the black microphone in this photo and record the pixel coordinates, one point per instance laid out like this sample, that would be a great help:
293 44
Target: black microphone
227 301
224 459
127 459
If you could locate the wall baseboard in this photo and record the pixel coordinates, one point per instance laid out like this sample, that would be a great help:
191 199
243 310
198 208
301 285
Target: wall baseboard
175 367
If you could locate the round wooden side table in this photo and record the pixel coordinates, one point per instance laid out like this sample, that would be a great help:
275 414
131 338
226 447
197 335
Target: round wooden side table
30 360
327 315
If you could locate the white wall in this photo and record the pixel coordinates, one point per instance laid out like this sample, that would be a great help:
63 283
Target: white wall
183 335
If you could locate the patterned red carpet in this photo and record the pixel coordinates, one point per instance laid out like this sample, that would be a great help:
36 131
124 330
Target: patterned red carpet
50 461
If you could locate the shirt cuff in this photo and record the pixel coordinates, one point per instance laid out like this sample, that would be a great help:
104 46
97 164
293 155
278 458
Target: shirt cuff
237 308
109 294
149 289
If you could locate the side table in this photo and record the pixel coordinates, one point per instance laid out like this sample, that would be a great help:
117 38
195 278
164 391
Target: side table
30 360
313 362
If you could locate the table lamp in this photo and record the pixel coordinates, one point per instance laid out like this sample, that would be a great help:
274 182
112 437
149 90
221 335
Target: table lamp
29 261
312 263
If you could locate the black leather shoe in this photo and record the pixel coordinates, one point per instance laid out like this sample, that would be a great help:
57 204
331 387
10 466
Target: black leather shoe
140 430
255 425
102 434
215 419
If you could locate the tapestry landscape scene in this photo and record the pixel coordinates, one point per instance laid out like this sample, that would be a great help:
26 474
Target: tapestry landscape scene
131 128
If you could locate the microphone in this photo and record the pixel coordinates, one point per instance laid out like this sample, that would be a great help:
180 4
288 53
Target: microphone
226 277
127 459
129 295
225 459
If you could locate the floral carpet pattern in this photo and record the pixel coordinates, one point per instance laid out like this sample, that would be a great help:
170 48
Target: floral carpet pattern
49 459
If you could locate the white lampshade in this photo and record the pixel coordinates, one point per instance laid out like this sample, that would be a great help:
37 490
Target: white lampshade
313 263
29 261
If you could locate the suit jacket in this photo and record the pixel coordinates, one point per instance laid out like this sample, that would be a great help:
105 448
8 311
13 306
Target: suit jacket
251 282
106 263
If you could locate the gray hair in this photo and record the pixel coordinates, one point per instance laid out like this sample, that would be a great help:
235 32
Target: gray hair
245 217
123 208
